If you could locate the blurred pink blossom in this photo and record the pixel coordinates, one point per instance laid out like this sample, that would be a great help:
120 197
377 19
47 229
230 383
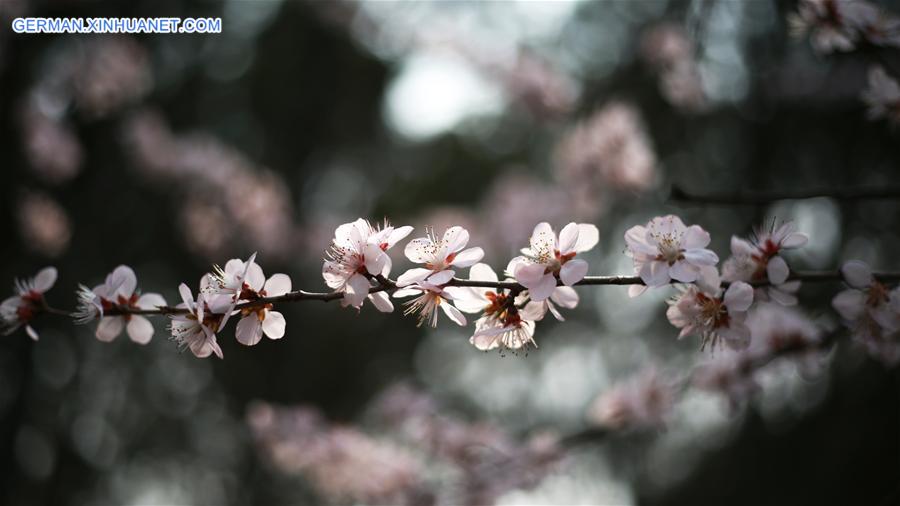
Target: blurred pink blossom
44 224
644 401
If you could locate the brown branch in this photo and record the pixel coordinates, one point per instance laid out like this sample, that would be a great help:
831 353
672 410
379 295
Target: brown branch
745 198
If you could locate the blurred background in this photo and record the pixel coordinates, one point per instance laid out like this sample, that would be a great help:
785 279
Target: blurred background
173 152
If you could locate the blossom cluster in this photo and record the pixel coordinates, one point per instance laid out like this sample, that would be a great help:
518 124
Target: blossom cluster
711 304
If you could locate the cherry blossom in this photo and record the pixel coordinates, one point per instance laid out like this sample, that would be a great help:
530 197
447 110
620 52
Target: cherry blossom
118 292
665 250
761 260
357 253
833 25
206 316
870 311
882 95
260 319
549 259
439 256
501 324
20 309
728 374
429 298
711 315
642 402
233 278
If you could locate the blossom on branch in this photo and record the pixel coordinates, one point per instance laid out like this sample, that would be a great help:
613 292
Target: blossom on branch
429 298
20 309
882 96
439 256
833 25
642 402
358 253
760 260
870 311
501 325
261 319
118 292
206 315
711 315
665 250
549 259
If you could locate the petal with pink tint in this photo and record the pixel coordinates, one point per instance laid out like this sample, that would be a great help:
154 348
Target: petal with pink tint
441 278
150 301
454 314
543 289
468 257
695 237
139 329
413 276
278 284
381 301
248 331
573 271
857 274
777 270
568 238
45 279
738 297
109 328
274 325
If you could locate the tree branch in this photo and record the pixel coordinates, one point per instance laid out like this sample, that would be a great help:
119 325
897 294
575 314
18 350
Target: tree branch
388 285
743 198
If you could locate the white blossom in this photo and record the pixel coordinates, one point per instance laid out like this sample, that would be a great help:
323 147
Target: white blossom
870 311
119 291
430 297
358 252
501 324
20 309
833 25
711 315
761 260
666 249
549 259
197 328
439 256
641 402
882 96
261 319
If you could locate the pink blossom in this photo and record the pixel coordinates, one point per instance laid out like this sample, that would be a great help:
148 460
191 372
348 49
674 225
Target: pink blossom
20 309
439 256
549 260
761 260
118 291
711 315
665 250
641 402
882 96
261 319
870 311
358 252
430 297
206 315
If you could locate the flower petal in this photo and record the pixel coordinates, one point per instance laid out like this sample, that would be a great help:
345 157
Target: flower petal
151 301
397 235
795 240
573 271
274 325
123 281
529 275
139 329
45 279
254 277
655 274
695 238
738 297
109 328
468 257
568 238
441 278
454 314
186 296
849 304
543 239
278 284
413 276
700 257
482 272
534 311
543 289
565 296
636 290
421 250
381 301
857 274
455 239
777 270
636 239
376 259
684 272
248 330
588 237
356 290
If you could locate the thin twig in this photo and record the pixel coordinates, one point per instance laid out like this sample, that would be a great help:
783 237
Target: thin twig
744 198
